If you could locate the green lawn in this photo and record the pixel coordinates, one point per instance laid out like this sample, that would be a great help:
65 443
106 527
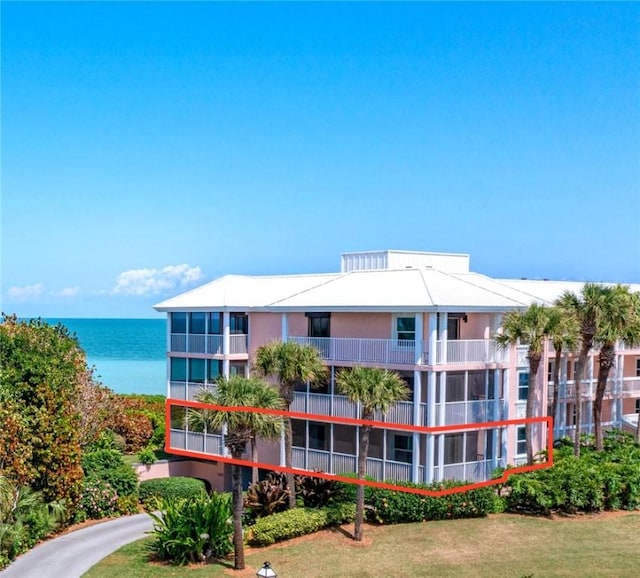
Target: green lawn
498 546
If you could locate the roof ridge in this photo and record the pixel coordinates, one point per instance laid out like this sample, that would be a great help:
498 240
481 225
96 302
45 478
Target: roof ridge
335 277
493 292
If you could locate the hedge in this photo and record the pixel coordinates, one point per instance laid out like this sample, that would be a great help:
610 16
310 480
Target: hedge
178 487
397 507
297 522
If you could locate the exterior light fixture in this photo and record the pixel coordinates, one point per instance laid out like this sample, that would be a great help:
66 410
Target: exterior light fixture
266 571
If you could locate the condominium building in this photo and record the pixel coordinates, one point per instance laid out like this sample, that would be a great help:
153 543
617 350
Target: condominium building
423 315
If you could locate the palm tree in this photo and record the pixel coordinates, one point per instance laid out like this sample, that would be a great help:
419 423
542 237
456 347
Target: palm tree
564 333
620 321
291 364
242 428
587 308
531 326
376 390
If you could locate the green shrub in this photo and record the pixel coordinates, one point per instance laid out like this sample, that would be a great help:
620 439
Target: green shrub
194 529
109 466
146 456
98 500
397 507
267 496
318 492
298 522
597 480
153 491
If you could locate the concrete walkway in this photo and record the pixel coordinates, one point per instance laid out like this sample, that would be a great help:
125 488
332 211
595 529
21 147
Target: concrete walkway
72 554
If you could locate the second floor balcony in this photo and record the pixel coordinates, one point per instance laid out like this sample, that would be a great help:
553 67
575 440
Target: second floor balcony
208 344
405 351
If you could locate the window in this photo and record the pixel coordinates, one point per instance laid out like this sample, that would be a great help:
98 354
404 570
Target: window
215 324
214 370
298 428
405 329
196 370
318 438
638 367
550 369
453 448
239 324
178 323
453 328
178 369
521 441
455 386
637 405
523 385
196 323
238 369
402 448
319 324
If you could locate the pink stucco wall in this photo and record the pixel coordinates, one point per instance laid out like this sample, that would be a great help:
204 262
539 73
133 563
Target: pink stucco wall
371 325
212 471
263 327
478 326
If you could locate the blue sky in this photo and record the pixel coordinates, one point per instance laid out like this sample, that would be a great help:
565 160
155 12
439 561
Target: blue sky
149 147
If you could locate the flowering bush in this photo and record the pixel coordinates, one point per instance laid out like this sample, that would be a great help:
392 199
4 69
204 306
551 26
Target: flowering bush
98 500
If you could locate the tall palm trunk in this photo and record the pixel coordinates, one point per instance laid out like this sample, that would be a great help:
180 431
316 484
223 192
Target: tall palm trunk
607 358
579 376
638 430
363 452
556 384
254 459
288 460
534 366
238 541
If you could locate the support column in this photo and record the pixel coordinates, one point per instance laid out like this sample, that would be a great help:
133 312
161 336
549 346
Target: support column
442 418
285 327
431 422
433 338
444 320
226 347
417 398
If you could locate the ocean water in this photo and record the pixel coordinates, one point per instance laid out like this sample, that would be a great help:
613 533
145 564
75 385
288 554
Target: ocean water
129 355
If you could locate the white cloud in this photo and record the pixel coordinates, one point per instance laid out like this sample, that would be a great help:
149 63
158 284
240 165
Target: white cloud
26 292
67 292
156 281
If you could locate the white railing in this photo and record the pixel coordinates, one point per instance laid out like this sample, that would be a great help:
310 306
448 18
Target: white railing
196 442
214 344
402 412
397 471
631 386
457 412
393 351
468 471
208 344
344 464
469 351
341 406
187 391
238 344
318 460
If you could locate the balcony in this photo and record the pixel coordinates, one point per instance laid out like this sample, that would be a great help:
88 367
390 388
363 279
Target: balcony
391 351
341 406
465 351
208 344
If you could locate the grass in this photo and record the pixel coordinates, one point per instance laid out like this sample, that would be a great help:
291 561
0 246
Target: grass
500 545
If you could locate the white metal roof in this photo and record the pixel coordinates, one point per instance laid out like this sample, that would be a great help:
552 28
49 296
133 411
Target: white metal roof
411 289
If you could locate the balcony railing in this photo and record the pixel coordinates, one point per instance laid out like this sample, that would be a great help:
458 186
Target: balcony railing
345 464
208 344
468 471
392 351
196 442
457 412
187 390
469 351
341 406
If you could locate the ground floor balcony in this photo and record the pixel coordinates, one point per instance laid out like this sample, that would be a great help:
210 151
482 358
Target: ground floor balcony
208 344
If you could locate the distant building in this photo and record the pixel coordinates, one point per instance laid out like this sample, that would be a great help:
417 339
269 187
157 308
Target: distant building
424 315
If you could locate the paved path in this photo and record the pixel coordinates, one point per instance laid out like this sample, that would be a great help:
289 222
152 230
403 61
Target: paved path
72 554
